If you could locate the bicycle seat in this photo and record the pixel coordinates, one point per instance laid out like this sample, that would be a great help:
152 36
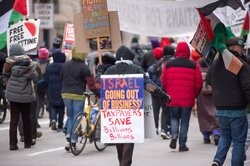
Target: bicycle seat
88 94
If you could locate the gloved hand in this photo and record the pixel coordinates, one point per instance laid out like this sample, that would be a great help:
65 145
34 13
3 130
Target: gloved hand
168 99
160 93
101 68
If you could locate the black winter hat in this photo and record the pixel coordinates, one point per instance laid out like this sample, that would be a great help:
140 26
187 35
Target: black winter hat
125 53
168 50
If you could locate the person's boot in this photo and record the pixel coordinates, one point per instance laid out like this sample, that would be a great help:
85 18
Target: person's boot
207 141
183 148
53 126
215 163
39 134
216 139
173 142
13 147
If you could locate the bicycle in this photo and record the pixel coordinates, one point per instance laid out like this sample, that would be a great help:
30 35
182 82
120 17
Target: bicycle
3 102
85 130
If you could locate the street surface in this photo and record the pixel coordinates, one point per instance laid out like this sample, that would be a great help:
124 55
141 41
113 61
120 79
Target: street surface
49 150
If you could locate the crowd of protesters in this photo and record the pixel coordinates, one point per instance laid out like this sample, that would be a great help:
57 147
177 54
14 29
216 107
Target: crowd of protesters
178 79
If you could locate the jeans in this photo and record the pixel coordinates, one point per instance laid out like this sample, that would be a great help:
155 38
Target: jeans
177 114
73 108
232 130
57 110
165 115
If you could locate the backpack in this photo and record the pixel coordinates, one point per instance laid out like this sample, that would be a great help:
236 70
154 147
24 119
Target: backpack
42 83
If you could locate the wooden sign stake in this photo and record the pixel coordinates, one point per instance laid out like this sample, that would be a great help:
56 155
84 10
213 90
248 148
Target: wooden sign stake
99 51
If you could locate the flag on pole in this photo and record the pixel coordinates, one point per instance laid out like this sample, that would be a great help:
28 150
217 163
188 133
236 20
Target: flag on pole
209 8
217 34
245 28
10 11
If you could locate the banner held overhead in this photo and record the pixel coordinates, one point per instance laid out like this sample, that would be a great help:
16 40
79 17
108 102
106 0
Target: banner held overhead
158 18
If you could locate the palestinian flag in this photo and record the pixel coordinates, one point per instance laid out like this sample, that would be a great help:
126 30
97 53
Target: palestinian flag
217 34
245 29
10 11
208 9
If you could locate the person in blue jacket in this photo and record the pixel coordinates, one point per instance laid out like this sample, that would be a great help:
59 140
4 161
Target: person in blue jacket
55 87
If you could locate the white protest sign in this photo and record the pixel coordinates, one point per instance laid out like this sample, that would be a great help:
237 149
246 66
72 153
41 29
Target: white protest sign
122 114
149 121
68 38
45 12
25 33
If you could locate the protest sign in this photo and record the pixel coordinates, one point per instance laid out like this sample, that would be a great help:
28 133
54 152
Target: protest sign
68 38
200 38
95 17
149 121
122 114
25 33
45 12
202 45
83 44
158 18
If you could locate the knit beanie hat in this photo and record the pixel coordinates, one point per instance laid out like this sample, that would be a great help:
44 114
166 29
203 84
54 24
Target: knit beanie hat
43 54
158 53
125 53
78 56
155 43
195 56
58 56
16 50
168 50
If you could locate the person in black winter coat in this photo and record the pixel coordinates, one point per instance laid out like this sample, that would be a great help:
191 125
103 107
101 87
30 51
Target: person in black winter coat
157 102
107 61
148 58
124 65
231 94
55 87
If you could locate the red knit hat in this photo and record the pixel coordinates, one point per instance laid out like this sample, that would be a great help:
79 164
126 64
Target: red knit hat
43 54
195 56
158 53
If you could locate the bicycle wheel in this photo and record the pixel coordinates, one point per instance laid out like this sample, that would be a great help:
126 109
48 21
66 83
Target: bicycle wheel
97 135
3 109
78 137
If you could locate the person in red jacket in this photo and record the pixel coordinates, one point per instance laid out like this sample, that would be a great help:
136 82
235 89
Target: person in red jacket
182 80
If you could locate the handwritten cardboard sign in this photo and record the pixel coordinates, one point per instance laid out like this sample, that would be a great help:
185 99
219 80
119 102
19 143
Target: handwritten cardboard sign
68 38
25 33
96 19
122 113
83 45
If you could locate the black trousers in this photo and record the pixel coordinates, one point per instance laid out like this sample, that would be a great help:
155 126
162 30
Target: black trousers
157 104
15 109
125 153
33 121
